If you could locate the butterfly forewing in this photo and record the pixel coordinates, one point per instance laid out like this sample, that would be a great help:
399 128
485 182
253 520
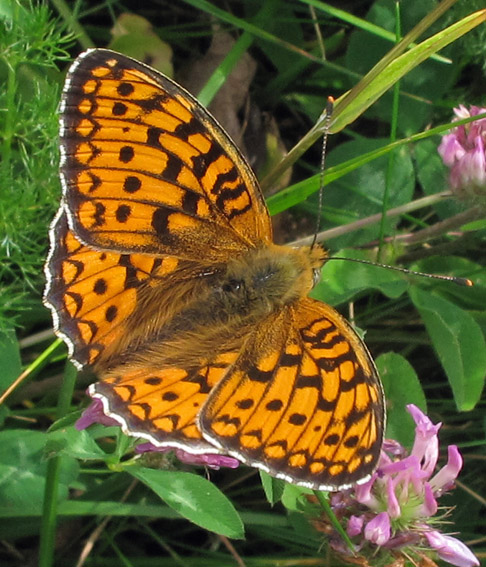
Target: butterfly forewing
147 169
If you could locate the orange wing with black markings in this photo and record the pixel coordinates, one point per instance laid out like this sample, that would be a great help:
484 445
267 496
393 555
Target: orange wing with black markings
146 169
303 402
161 405
93 292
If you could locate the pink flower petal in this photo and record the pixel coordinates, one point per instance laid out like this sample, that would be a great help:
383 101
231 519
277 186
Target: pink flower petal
471 169
94 414
408 463
429 505
462 112
393 506
451 550
445 478
392 447
450 150
355 525
462 150
363 492
378 530
426 444
208 460
213 461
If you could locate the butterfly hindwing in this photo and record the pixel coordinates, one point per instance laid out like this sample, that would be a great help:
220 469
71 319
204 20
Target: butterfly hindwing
91 293
161 406
103 303
303 402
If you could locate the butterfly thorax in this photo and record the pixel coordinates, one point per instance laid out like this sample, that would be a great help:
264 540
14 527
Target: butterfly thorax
229 301
266 279
248 288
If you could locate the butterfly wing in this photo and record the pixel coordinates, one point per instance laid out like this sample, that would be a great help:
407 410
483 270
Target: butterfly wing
303 401
91 293
103 303
146 169
161 405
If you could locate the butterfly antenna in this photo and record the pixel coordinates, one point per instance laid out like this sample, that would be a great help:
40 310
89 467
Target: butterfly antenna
327 122
455 279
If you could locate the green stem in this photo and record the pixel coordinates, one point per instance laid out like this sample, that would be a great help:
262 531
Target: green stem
327 235
391 155
219 76
323 498
241 46
49 511
72 22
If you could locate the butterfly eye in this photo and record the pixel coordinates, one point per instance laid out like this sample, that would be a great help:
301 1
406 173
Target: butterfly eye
232 286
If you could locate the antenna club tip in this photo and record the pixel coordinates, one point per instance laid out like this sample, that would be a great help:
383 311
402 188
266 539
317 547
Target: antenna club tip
464 281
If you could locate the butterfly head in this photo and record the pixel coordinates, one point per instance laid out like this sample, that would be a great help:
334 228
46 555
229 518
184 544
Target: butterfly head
266 279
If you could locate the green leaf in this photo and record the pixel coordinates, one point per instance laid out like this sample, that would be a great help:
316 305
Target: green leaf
77 444
22 471
360 192
402 387
293 497
133 35
194 498
459 343
342 280
273 487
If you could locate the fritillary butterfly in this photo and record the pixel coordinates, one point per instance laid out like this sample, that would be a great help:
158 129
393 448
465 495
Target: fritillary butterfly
163 276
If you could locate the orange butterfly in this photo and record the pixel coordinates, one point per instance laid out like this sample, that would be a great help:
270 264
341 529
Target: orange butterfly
163 276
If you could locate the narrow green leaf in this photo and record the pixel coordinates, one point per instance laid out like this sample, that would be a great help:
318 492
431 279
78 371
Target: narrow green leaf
257 31
220 75
9 358
354 103
273 487
459 343
94 508
194 498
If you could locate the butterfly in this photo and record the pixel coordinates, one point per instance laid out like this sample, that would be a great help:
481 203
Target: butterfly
163 277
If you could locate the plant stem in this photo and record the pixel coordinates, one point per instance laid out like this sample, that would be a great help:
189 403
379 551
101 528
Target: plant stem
49 512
